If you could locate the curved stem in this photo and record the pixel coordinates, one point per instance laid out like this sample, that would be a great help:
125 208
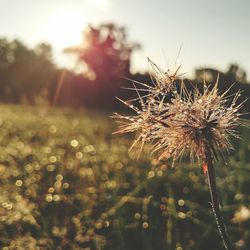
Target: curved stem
214 198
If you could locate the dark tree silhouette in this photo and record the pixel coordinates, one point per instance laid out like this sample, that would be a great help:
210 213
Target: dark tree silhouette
24 72
106 53
236 74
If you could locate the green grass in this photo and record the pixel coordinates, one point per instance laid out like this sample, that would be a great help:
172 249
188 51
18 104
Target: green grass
67 183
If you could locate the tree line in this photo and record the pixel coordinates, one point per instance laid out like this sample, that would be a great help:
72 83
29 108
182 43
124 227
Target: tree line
28 75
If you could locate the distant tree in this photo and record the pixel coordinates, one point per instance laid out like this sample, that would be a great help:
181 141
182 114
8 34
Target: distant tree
236 74
24 72
207 74
106 54
105 51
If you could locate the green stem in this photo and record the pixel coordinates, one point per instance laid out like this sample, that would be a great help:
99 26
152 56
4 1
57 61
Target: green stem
214 197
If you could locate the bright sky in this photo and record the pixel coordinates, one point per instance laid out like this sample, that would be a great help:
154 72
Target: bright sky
213 33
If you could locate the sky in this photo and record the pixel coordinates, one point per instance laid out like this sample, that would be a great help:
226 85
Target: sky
211 33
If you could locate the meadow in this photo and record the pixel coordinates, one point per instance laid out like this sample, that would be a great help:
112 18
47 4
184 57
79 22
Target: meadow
67 183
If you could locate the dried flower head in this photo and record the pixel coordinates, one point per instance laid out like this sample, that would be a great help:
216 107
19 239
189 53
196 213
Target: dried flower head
184 122
194 121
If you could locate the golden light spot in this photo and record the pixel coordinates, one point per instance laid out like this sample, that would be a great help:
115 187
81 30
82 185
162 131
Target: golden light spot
52 129
37 166
179 248
29 168
98 224
79 155
238 196
91 190
19 183
181 203
74 143
18 197
59 177
52 159
151 174
182 215
51 168
170 200
137 216
110 184
51 190
242 215
106 223
49 197
57 184
145 225
88 149
4 204
9 206
160 173
65 185
56 197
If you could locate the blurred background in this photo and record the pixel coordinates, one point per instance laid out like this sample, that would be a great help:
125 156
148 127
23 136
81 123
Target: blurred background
65 181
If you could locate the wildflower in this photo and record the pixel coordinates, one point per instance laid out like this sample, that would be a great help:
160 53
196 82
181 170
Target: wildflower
195 121
185 123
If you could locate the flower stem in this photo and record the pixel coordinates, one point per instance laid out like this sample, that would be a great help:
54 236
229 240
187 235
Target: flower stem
214 197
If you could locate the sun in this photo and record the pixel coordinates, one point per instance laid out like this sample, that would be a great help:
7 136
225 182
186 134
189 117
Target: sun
101 4
64 29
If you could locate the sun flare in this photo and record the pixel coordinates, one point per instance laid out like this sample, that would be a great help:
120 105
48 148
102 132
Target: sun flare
64 29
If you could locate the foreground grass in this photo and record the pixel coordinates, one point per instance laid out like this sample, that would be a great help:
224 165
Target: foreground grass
67 183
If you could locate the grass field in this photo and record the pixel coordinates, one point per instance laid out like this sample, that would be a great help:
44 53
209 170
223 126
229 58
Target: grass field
67 183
